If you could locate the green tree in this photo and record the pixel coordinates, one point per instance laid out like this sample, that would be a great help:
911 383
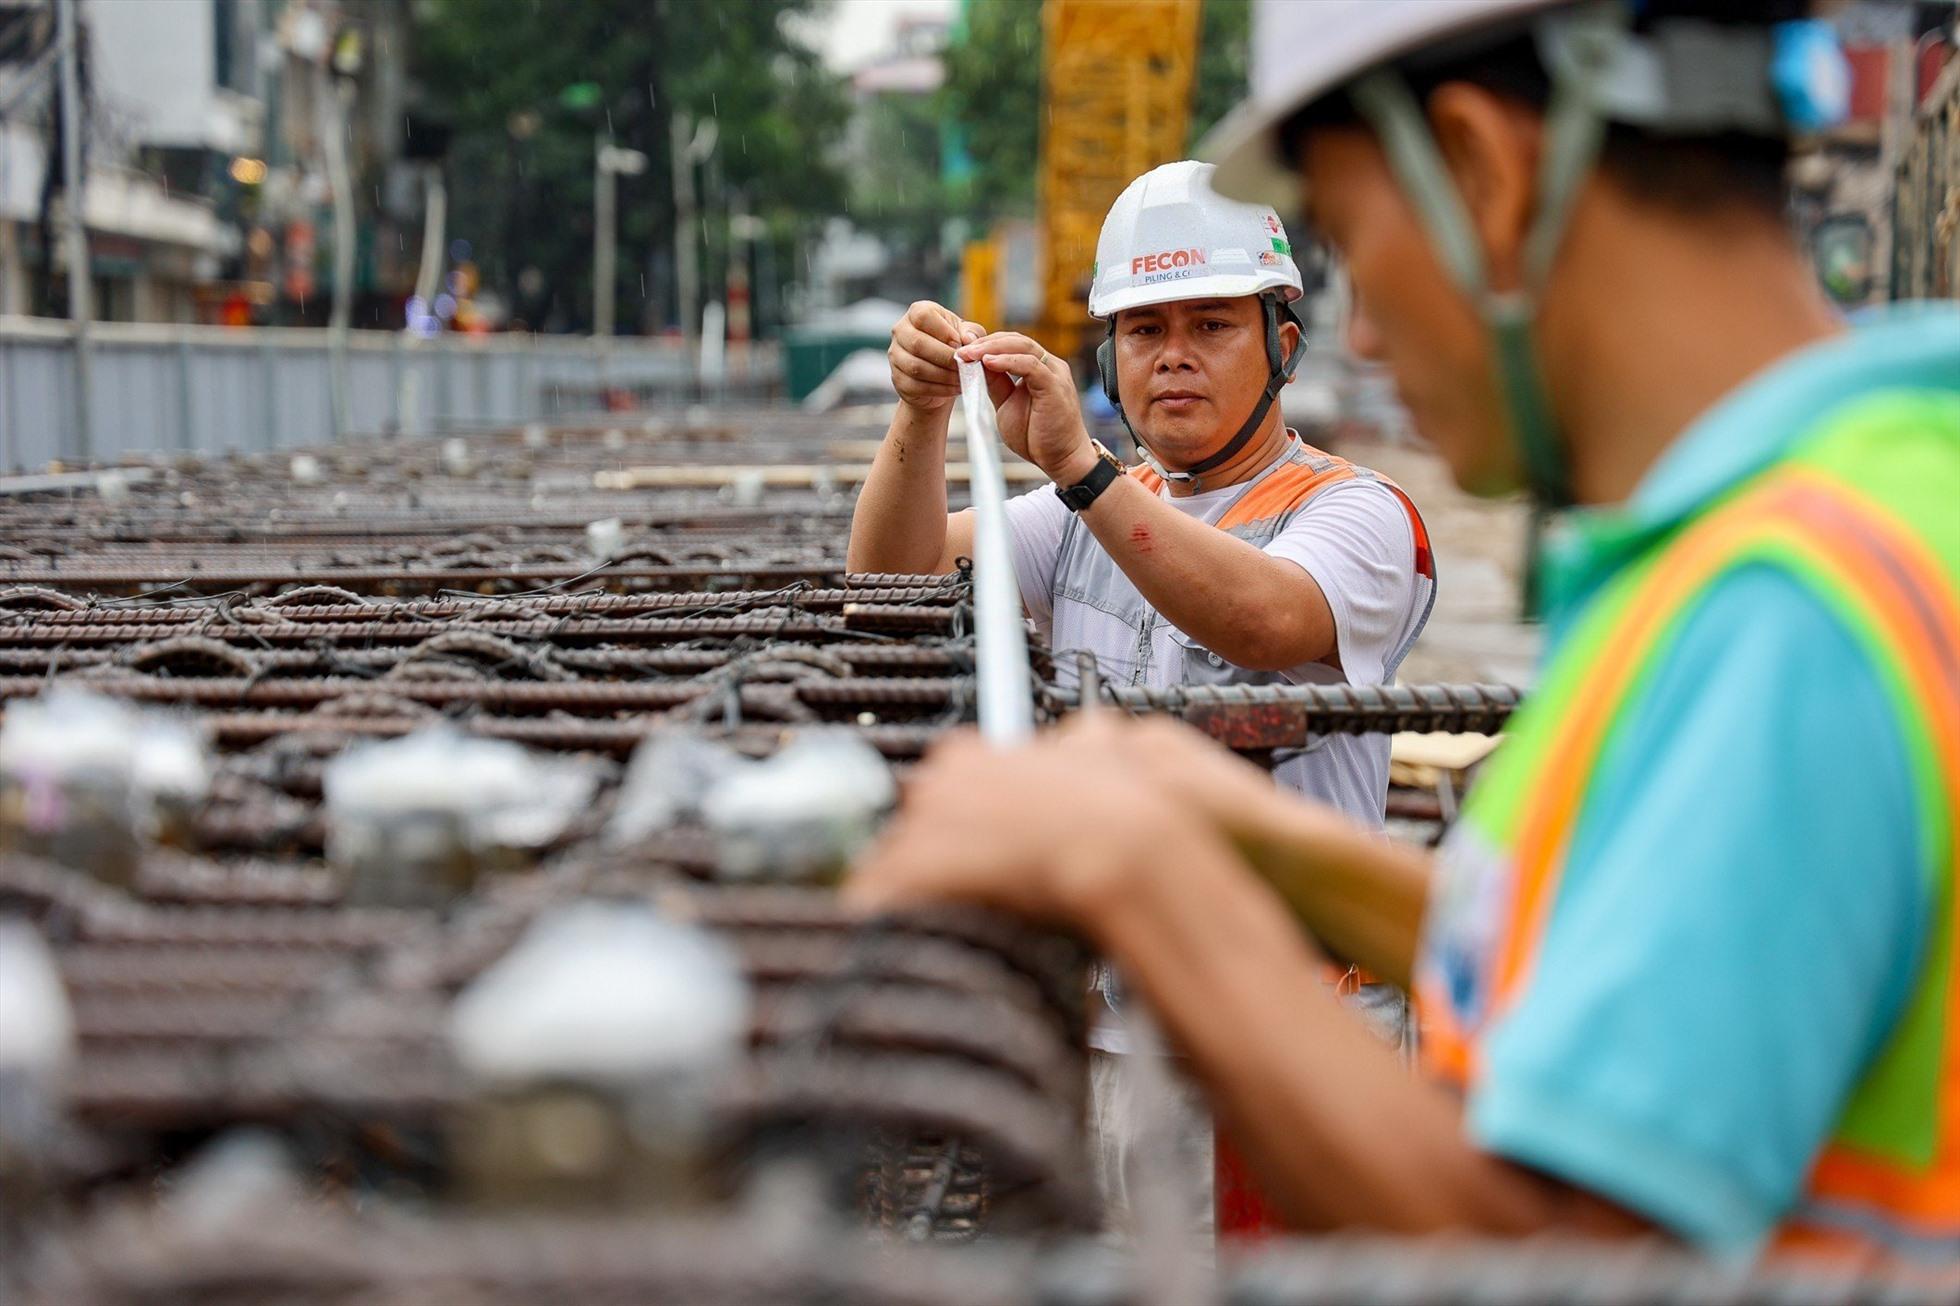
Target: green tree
521 162
897 189
897 177
993 92
1224 46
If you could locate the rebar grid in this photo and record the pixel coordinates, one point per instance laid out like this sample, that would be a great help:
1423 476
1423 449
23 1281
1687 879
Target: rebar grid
392 587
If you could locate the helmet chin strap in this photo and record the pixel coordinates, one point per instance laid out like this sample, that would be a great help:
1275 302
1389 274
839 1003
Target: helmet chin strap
1593 37
1509 316
1280 369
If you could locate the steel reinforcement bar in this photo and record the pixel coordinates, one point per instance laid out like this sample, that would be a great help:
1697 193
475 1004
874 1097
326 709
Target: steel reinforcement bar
24 605
1251 717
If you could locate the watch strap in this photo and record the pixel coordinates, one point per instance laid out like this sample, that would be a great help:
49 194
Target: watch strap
1087 490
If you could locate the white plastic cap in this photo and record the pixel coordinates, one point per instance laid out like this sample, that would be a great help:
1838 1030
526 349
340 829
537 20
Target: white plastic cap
672 771
509 796
68 730
37 1029
605 538
171 760
805 810
1170 236
603 992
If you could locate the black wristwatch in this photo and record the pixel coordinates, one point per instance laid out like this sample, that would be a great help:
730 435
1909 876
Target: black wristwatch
1087 490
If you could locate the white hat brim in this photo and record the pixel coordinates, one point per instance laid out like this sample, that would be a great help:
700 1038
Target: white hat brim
1172 292
1306 49
1242 146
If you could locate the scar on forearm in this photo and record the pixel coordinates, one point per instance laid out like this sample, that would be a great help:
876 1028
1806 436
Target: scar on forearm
1140 538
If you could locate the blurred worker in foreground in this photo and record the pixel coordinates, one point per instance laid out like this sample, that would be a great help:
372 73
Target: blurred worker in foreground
1687 962
1237 554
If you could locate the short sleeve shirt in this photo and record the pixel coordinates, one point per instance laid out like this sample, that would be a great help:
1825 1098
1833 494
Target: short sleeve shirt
1353 538
1740 917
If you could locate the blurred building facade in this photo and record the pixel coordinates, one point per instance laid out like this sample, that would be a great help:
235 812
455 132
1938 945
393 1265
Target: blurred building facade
894 244
207 196
156 105
1846 184
1925 254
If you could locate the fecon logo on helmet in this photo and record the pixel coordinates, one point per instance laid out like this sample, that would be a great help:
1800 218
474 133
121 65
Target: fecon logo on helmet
1169 258
1168 237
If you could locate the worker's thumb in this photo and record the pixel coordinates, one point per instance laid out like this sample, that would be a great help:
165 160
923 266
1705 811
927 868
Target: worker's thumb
1000 387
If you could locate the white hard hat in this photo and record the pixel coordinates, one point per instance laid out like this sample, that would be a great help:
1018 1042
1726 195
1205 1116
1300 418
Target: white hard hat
1302 50
1682 76
1170 236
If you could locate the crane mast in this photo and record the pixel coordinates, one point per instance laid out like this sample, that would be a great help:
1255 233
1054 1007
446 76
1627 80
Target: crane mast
1116 100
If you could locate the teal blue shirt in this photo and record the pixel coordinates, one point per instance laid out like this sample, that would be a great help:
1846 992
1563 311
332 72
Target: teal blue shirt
1741 917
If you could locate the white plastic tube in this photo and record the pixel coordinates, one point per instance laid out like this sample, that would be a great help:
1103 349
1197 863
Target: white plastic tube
1006 696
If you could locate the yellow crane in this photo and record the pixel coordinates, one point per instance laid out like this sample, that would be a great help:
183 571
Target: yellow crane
1116 100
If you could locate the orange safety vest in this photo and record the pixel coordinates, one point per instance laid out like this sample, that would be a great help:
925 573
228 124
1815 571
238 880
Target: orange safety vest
1288 488
1240 1209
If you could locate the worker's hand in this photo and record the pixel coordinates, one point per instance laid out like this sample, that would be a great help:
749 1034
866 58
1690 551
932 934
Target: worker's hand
1284 838
1023 830
921 354
1040 417
1172 763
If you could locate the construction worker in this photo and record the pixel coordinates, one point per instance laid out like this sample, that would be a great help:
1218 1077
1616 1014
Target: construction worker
1687 961
1237 554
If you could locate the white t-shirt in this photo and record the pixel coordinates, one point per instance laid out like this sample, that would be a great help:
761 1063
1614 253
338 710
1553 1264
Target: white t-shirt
1353 538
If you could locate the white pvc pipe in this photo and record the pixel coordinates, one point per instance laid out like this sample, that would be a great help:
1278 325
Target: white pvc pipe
1006 696
435 219
1174 1272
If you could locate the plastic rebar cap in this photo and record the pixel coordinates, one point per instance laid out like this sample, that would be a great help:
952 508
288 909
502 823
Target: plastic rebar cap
607 993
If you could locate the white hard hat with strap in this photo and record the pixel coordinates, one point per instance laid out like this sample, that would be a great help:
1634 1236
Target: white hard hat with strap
1171 237
1685 76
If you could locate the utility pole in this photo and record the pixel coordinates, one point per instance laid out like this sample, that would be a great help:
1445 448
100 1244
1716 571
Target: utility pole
609 161
690 144
435 216
79 309
333 135
306 38
604 239
687 273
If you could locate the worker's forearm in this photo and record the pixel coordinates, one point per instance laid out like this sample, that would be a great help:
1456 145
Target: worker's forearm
1361 895
1339 1130
900 521
1228 595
